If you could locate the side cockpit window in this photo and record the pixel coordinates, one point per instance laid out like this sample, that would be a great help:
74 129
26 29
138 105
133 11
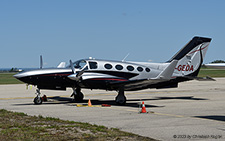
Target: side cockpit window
93 65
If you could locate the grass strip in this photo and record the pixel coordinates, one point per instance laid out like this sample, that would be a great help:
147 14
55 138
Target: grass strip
20 126
7 78
211 73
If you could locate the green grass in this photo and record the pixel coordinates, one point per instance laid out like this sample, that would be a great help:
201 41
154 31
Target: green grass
211 72
7 78
20 126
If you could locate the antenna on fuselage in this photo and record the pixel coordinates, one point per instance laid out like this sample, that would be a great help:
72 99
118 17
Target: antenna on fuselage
125 57
41 62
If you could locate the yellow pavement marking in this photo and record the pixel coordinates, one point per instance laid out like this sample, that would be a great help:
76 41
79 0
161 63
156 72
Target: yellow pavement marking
10 98
84 105
16 98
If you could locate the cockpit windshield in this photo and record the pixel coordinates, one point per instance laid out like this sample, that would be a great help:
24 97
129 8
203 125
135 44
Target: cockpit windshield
80 64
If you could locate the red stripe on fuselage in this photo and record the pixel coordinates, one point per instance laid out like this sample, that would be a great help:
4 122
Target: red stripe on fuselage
55 74
109 79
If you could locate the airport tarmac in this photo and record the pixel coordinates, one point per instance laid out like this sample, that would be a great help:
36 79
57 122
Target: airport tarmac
194 111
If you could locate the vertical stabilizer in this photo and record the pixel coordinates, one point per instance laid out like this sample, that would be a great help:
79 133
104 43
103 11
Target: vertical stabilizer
191 56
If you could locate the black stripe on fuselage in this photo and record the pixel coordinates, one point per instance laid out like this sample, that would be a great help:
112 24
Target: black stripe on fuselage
54 80
48 79
126 75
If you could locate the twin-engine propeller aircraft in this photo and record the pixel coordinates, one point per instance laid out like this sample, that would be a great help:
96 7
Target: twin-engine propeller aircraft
120 75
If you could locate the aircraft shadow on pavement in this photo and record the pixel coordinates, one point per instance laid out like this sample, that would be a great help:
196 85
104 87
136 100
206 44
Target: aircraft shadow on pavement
64 100
169 98
136 102
129 104
213 117
181 98
23 104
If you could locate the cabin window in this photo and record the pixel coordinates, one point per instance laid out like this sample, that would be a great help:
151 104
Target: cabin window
119 67
93 65
130 68
140 69
147 70
108 66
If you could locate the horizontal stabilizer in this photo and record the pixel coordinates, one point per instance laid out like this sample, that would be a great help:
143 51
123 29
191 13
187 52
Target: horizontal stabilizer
168 71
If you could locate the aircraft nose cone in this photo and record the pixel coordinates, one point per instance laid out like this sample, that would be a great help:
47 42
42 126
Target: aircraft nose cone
19 75
23 76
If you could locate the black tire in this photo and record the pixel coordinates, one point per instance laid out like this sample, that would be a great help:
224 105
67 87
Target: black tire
121 101
37 100
79 97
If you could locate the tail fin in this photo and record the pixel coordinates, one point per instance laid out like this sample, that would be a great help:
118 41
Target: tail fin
62 65
191 56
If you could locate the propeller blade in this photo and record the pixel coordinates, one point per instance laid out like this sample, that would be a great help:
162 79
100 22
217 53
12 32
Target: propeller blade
41 62
76 75
72 68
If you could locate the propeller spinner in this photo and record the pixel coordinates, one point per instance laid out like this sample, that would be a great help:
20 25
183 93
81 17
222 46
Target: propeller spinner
76 75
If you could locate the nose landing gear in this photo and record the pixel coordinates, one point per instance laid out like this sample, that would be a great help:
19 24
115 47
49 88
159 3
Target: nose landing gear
38 100
77 94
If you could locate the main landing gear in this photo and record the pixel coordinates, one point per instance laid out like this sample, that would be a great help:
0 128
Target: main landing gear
120 98
77 94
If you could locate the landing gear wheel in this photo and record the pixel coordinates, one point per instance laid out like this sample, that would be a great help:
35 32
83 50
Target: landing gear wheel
120 98
77 94
79 97
37 100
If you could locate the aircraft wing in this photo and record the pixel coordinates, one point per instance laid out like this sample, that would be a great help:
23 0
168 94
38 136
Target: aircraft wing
137 84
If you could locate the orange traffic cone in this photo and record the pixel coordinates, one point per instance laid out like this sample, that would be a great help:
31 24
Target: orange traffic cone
143 109
89 103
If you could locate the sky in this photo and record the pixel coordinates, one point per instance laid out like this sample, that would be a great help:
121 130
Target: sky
148 30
